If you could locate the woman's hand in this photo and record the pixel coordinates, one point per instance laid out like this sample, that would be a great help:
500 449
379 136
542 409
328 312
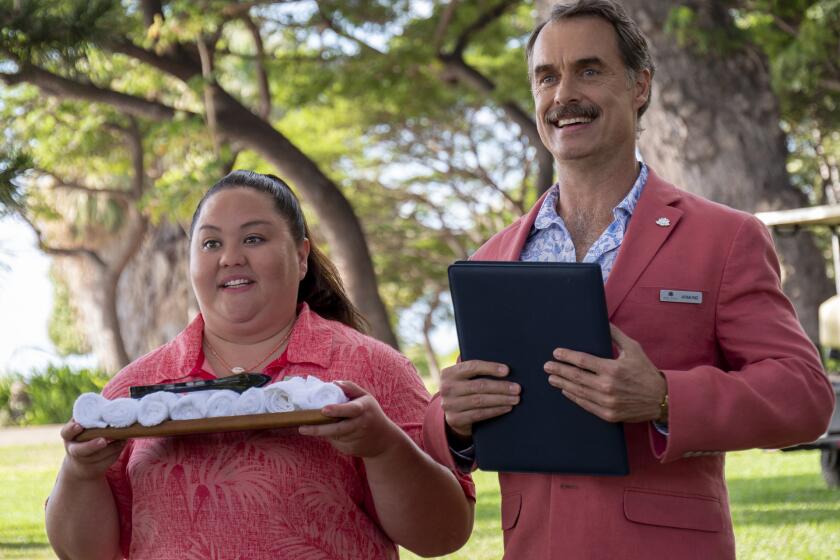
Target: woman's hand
364 432
91 459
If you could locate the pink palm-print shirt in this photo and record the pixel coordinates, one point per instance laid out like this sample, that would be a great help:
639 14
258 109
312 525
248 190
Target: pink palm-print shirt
269 493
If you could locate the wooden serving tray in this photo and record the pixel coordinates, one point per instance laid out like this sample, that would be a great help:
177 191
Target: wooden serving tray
211 425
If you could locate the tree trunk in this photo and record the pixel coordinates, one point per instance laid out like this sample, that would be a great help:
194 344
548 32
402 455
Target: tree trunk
713 129
155 298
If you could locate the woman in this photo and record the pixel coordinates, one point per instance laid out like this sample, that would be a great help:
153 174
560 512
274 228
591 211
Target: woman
270 302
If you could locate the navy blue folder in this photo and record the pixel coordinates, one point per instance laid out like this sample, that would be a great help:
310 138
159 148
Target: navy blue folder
517 313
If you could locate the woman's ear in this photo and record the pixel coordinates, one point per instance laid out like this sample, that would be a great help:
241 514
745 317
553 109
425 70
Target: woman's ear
303 257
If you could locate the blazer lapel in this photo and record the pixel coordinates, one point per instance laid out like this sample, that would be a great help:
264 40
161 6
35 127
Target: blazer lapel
643 238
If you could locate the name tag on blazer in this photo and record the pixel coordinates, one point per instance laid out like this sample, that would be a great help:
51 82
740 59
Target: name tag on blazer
680 296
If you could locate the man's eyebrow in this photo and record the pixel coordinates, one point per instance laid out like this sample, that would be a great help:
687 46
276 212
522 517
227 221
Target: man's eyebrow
543 68
589 61
585 61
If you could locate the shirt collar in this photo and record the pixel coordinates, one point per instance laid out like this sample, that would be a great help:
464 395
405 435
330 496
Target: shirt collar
547 214
311 342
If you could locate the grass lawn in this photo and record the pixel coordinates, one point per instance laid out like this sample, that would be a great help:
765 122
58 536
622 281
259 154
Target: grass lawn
781 507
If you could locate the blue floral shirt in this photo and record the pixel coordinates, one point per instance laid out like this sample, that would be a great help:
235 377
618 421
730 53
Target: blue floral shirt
549 240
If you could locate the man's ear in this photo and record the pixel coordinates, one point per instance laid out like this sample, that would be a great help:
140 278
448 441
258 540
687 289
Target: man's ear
641 85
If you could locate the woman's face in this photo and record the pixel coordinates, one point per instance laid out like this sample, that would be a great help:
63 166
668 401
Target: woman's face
245 267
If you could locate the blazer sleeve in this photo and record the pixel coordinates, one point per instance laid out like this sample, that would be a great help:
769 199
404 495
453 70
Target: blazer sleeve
773 391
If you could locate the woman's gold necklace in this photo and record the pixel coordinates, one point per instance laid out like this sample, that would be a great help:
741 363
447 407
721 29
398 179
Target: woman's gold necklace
240 369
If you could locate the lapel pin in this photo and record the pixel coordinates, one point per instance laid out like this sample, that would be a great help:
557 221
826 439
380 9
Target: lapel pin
663 222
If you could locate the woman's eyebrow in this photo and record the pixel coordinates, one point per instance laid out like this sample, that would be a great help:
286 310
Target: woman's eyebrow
246 225
253 223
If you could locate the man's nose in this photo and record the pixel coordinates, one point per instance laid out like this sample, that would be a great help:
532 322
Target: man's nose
566 91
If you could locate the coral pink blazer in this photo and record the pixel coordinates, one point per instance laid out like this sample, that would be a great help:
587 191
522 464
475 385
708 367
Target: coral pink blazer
740 371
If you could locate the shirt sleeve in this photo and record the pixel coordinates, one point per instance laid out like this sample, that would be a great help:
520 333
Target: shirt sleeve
404 399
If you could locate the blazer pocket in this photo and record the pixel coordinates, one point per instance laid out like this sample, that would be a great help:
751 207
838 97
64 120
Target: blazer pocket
666 509
511 506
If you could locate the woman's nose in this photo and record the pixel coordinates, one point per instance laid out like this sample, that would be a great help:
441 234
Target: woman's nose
232 255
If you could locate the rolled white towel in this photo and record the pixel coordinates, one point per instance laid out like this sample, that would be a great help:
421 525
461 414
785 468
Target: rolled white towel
278 397
221 403
87 410
326 393
311 393
190 406
154 407
251 401
299 389
120 413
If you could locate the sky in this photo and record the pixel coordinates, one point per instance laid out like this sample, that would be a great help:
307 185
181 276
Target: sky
25 302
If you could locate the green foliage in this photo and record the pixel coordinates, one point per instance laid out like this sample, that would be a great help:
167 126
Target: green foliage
56 33
800 39
52 392
12 165
63 327
692 30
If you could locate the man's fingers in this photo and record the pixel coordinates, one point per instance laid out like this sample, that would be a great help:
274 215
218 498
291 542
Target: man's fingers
479 401
618 335
572 374
473 368
581 360
476 415
479 386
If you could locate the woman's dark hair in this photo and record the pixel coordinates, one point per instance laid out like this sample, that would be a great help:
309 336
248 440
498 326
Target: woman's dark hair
321 288
631 42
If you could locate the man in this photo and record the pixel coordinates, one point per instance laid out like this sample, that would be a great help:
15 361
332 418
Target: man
730 370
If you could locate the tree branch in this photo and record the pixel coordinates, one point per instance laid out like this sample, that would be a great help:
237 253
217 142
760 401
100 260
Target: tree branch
785 26
335 28
62 251
480 23
264 108
458 70
443 24
151 8
180 63
830 84
236 10
62 87
135 149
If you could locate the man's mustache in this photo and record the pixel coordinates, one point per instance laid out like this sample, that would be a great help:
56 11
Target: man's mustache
560 112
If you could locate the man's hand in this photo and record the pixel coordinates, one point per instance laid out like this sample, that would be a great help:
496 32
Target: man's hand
626 389
466 401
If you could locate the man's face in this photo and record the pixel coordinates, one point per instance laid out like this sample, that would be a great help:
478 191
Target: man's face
585 102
